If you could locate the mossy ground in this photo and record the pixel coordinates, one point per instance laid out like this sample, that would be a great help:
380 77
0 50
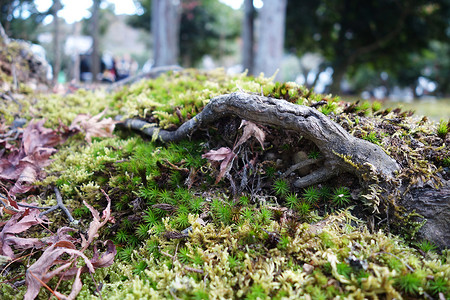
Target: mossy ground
263 239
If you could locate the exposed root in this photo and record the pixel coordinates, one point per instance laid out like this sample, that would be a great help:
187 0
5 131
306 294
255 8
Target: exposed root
318 176
342 152
153 73
302 164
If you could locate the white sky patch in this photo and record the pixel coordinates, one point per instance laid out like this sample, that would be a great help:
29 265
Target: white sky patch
236 4
75 11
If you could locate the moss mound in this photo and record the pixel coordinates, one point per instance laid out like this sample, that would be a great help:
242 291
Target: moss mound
181 235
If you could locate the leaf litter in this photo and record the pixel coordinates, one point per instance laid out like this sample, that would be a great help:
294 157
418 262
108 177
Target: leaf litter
22 160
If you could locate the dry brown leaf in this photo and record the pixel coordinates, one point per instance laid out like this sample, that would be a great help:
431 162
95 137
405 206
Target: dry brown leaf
41 271
251 129
93 126
19 223
38 272
96 223
224 154
25 163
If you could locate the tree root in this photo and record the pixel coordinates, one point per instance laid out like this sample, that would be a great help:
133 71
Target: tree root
153 73
342 152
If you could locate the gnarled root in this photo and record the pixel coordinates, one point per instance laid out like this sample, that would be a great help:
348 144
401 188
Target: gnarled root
342 152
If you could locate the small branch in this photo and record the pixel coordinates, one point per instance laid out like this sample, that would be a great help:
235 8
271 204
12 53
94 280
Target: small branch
33 206
60 205
153 73
305 163
321 175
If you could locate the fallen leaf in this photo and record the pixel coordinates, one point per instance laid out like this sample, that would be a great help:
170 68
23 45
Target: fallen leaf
217 155
92 126
251 129
18 223
224 154
24 164
38 272
96 223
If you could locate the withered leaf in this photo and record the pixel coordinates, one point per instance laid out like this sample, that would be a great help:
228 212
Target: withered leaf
251 129
96 223
39 273
224 154
25 163
18 223
93 126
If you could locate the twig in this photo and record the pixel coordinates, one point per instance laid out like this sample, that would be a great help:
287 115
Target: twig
6 136
6 205
153 73
304 163
60 205
33 206
199 271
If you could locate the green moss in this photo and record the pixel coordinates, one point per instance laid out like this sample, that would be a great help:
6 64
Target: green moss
281 187
233 256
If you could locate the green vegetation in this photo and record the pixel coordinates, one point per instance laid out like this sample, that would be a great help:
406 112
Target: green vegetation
341 196
311 194
442 129
281 187
251 236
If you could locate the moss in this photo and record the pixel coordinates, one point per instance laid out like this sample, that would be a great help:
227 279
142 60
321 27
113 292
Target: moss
253 245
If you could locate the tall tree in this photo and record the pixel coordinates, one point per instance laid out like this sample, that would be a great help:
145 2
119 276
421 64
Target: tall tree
353 33
20 19
95 40
271 37
248 36
56 40
165 29
206 28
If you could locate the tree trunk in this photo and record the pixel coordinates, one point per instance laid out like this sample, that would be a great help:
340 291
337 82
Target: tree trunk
339 70
3 35
271 37
434 206
165 29
248 36
56 43
96 39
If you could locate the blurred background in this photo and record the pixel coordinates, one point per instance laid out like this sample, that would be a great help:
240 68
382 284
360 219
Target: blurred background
386 50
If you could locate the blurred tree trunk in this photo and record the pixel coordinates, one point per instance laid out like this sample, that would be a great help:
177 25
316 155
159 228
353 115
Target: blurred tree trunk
166 17
339 71
271 37
248 36
56 40
95 57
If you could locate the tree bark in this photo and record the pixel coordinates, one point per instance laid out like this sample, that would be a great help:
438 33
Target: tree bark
96 40
56 42
271 37
165 29
248 36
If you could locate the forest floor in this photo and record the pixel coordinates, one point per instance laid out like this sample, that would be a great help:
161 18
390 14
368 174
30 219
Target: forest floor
213 216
